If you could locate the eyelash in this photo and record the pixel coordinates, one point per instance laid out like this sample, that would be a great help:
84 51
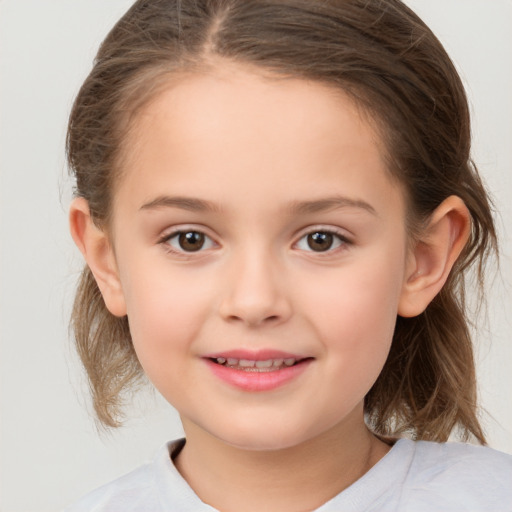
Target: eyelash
342 241
166 239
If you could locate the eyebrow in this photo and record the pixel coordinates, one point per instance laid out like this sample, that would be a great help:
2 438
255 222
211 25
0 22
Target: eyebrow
296 207
185 203
330 203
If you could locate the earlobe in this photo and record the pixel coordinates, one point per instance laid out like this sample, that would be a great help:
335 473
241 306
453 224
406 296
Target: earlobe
95 246
433 256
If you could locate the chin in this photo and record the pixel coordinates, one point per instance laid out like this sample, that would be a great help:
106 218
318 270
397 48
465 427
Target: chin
264 439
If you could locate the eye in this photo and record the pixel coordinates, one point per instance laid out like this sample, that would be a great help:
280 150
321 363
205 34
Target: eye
188 241
321 241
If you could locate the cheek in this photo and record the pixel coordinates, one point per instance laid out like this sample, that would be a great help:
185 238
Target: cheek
362 298
355 313
165 314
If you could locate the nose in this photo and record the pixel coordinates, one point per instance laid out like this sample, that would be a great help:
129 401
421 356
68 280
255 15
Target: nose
255 292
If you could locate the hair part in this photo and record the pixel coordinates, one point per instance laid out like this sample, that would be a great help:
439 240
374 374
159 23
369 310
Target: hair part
390 63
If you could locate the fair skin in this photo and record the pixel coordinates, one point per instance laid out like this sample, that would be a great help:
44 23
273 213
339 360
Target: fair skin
297 246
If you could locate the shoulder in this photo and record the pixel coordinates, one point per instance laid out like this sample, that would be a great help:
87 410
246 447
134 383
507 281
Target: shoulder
120 494
463 462
457 476
137 491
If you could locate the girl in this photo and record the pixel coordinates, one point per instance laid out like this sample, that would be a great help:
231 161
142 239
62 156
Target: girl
277 207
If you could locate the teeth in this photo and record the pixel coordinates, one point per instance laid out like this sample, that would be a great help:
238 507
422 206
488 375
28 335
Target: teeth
262 365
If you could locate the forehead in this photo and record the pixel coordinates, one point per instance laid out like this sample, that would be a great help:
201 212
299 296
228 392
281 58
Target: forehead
234 126
242 97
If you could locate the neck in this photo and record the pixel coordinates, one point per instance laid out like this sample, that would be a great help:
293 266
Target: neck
232 479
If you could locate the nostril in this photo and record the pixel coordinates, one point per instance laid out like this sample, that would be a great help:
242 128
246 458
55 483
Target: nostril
252 308
254 318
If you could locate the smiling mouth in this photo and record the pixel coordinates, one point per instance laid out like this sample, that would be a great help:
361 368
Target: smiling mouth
259 366
257 371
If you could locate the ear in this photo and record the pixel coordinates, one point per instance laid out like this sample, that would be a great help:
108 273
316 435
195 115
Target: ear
95 246
433 256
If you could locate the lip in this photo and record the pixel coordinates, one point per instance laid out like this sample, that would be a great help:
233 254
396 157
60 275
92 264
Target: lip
255 355
254 381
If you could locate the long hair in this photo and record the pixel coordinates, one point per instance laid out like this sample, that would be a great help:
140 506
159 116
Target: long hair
390 63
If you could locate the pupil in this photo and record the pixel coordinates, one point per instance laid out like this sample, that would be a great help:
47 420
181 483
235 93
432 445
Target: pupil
320 241
191 241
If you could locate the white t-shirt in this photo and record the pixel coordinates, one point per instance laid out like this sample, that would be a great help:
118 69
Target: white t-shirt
413 477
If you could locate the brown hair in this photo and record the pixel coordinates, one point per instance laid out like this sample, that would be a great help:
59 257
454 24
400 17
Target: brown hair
390 63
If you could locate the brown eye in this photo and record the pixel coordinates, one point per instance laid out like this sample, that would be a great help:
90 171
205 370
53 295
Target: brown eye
191 241
320 241
187 242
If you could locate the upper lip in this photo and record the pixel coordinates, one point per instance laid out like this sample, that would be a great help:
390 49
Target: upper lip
254 355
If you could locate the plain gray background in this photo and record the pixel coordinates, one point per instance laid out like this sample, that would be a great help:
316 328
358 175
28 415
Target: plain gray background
50 451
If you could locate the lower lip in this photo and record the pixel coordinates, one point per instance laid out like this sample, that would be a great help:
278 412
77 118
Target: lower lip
258 381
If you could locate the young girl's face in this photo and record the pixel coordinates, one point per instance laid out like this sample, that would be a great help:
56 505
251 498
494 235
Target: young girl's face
260 245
